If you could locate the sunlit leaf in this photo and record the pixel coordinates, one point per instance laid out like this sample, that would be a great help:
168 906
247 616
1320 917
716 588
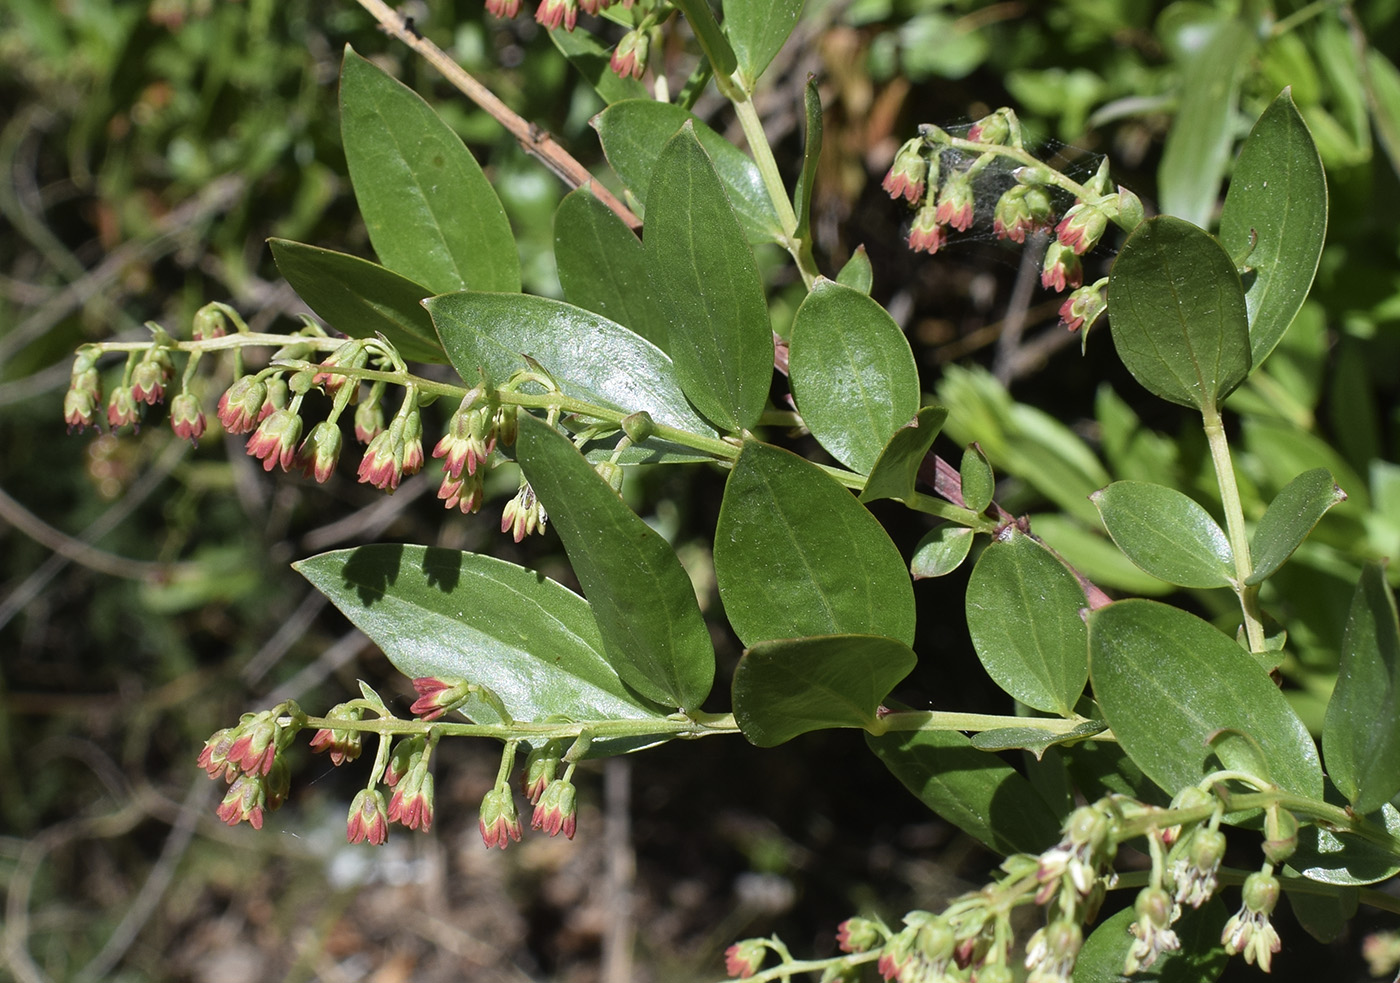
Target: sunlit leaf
1166 533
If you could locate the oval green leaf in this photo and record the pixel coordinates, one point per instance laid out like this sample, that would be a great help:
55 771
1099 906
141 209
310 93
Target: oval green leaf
1177 313
1166 534
1033 739
797 555
438 612
853 374
941 551
1166 681
857 273
652 631
1289 518
978 481
757 30
706 285
360 298
1023 614
1275 216
634 131
790 686
587 355
1344 858
601 265
431 213
1361 732
974 790
895 472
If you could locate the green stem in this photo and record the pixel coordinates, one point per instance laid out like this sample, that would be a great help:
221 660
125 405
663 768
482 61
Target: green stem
235 342
947 510
936 720
799 249
1234 526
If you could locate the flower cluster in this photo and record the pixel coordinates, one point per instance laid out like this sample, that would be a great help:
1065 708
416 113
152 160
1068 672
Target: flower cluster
249 757
629 59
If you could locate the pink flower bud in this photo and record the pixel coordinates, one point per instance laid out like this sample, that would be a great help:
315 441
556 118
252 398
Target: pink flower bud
368 821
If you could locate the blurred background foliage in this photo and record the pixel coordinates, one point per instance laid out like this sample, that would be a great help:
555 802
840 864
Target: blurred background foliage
149 147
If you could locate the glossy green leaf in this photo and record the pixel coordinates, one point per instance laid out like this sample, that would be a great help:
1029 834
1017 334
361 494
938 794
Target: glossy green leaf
593 60
587 355
1166 681
797 555
1289 518
857 273
897 468
1033 739
706 285
601 265
431 213
1361 735
1023 614
1178 313
360 298
1324 916
633 133
811 156
941 551
974 790
853 374
1345 858
1200 959
1166 534
652 630
978 481
1197 148
1275 215
757 30
790 686
438 612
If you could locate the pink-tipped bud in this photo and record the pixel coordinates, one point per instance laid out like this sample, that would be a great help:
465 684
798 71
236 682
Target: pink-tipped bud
321 450
858 935
209 322
187 417
552 13
1084 306
240 404
541 767
557 811
84 396
245 799
909 172
996 128
368 821
351 355
926 235
275 440
523 514
499 824
1021 210
369 420
504 9
438 696
629 58
121 409
1082 227
151 376
743 959
1062 268
955 202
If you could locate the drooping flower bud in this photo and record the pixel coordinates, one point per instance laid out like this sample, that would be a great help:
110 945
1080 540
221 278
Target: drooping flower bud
1021 210
246 799
275 440
505 9
1152 933
241 403
438 696
369 420
998 128
187 417
321 450
498 824
926 235
1062 268
1249 929
1082 227
368 821
955 201
209 322
84 396
1084 306
470 438
743 959
341 745
407 753
541 767
523 514
121 408
151 377
274 397
909 172
557 812
629 58
858 934
551 13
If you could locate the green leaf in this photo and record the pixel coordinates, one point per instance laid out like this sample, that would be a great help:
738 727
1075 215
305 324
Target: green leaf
1166 534
1197 148
652 630
1093 554
791 686
601 266
1344 858
430 212
757 31
974 790
978 481
897 468
1276 213
811 156
1289 518
1178 314
633 133
941 551
1033 739
797 555
1325 916
853 374
360 298
706 285
1023 615
1166 681
857 273
588 356
1361 734
438 612
593 60
1200 959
